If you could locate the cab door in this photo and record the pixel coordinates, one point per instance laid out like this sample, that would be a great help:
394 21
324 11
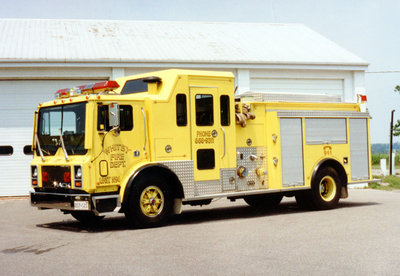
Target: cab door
119 152
210 124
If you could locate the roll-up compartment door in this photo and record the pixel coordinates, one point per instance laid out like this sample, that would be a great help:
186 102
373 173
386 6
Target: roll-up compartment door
292 152
359 149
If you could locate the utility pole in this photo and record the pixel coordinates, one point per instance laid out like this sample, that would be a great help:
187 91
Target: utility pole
391 144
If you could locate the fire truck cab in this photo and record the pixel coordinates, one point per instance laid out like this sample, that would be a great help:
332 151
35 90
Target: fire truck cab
144 145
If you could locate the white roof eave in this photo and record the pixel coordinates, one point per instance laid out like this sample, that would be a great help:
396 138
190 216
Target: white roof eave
187 64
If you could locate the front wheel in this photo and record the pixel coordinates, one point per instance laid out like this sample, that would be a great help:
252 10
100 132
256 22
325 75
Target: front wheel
326 189
150 202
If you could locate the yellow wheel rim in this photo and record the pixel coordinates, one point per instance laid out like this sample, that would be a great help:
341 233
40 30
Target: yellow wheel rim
152 201
327 188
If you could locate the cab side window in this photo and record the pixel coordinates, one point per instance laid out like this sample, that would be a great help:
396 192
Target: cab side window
204 110
225 112
125 115
181 110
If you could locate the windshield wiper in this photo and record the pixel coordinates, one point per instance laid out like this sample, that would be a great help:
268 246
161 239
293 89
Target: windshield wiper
63 145
39 147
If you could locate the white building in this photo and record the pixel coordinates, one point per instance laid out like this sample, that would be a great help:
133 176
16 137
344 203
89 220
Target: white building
38 57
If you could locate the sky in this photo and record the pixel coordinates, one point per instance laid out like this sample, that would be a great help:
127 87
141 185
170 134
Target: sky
367 28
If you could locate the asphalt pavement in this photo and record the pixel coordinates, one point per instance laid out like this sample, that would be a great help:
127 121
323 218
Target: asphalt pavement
361 237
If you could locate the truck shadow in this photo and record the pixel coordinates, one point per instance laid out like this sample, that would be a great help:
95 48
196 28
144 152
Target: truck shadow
193 216
243 212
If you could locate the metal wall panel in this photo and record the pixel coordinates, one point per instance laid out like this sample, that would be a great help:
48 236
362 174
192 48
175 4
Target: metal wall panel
292 152
359 149
325 131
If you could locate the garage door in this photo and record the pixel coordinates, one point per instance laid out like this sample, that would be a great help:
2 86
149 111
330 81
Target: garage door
18 101
297 85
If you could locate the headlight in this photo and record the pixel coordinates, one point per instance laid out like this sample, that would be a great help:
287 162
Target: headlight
35 172
78 172
78 176
34 175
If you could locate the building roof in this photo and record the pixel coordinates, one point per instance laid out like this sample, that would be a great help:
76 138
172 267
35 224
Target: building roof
50 40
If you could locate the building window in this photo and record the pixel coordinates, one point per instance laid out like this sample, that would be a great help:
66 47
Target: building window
225 112
6 150
204 110
181 110
205 159
28 150
125 118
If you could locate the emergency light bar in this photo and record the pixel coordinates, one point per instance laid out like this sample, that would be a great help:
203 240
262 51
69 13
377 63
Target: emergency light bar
92 88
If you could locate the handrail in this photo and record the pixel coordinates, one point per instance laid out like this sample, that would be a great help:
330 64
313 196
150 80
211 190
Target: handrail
223 131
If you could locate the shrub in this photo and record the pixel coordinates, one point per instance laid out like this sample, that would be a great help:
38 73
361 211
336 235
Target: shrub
376 158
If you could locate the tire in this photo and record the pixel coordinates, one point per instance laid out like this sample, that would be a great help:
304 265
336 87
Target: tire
326 188
150 202
86 217
264 202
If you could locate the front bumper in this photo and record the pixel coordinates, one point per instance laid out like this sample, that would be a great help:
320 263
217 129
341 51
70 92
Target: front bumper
99 204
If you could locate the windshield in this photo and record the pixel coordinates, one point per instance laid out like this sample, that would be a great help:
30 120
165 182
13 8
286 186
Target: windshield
68 119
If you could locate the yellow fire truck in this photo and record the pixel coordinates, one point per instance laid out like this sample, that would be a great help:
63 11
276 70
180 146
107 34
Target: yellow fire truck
145 145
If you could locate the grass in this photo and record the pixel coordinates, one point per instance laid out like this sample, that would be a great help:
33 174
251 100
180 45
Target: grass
376 160
389 183
378 166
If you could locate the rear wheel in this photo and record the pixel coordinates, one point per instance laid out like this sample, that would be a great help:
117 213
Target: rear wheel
264 202
326 189
86 217
150 203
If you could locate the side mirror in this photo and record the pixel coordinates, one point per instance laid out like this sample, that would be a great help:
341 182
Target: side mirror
113 115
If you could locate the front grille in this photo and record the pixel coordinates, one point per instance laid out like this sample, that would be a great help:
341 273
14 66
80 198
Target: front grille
55 177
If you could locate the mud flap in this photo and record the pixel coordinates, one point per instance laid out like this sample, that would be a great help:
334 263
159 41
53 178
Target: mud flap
177 206
344 193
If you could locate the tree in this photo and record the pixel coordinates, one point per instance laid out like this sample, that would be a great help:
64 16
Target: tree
396 129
